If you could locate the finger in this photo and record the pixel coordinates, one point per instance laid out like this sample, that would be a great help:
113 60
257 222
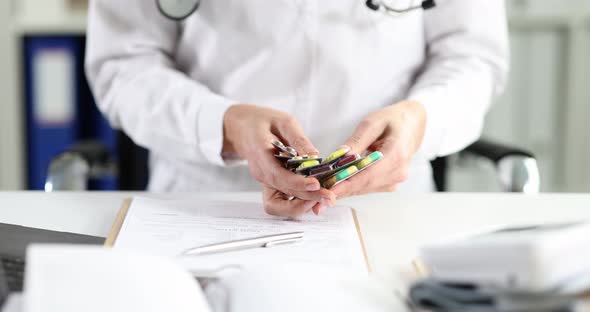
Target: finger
286 181
388 146
269 171
398 159
363 136
291 131
370 181
323 196
362 183
347 189
319 209
276 204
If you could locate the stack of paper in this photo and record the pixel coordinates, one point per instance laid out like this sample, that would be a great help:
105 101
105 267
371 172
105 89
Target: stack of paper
168 227
72 278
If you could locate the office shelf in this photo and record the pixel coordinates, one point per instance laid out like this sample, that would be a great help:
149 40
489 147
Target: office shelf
75 23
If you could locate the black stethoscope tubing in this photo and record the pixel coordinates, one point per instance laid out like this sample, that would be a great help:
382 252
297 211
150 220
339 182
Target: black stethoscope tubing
425 5
371 4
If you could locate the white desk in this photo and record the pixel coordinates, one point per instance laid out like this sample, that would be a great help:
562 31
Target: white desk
392 225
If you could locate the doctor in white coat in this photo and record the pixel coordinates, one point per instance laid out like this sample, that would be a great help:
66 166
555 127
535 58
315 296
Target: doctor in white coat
214 89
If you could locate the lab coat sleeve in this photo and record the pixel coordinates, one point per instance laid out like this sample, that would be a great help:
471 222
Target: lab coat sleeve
467 62
138 87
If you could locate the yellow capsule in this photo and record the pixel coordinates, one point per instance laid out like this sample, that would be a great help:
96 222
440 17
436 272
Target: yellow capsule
337 154
373 157
364 162
340 176
307 164
330 182
346 172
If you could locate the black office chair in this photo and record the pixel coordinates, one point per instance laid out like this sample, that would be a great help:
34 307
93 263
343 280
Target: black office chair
88 160
516 168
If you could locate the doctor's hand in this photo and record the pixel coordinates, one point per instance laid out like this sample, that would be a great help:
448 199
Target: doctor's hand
397 132
277 203
248 133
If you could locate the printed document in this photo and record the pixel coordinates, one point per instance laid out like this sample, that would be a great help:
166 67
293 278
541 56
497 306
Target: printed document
168 227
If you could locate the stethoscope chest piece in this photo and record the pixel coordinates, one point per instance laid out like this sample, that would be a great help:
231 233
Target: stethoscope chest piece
177 9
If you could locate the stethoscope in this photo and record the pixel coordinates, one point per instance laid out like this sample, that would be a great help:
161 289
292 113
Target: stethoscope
181 9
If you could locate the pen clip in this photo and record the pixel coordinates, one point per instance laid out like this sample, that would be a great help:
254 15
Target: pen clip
282 241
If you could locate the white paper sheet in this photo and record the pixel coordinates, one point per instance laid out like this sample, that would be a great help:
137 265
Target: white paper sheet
167 227
73 278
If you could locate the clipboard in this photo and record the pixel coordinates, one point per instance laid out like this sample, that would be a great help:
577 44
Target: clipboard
119 219
122 214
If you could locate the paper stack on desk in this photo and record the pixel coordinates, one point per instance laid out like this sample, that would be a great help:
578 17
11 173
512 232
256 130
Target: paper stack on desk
168 227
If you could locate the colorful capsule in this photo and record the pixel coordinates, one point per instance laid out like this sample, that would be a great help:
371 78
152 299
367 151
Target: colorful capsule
368 160
337 154
308 164
320 170
347 160
340 176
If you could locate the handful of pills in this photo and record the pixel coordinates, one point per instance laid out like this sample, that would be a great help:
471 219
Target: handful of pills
330 171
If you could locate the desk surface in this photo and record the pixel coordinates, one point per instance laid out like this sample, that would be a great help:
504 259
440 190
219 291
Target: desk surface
393 225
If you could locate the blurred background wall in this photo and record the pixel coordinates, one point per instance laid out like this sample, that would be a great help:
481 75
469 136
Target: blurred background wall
545 106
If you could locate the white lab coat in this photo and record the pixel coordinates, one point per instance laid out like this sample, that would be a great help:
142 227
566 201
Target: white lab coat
328 63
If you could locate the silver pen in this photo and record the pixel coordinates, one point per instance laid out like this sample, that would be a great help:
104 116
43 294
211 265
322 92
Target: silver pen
247 243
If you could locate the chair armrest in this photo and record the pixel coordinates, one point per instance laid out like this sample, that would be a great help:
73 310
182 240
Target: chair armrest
94 152
84 160
516 168
495 151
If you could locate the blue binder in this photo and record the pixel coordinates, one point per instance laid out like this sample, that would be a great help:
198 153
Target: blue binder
60 109
50 113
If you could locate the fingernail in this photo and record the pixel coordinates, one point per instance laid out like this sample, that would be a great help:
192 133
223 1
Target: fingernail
345 147
308 205
312 186
326 201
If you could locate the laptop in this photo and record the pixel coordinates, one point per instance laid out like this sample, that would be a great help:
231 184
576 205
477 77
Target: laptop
14 240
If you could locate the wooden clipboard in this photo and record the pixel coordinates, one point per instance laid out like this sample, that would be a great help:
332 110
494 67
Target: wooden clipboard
116 228
360 235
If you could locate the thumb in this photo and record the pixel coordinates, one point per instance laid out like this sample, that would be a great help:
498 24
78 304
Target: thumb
363 136
293 134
